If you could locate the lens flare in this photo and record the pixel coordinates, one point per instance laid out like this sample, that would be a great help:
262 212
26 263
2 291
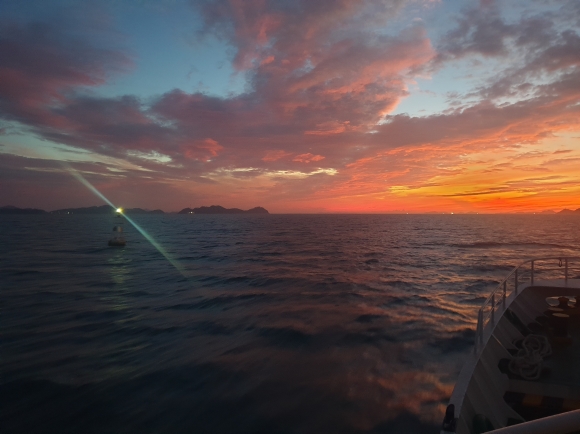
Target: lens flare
142 231
155 244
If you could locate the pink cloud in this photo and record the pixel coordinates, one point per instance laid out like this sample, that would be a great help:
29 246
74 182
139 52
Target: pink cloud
307 158
331 127
202 150
312 57
275 155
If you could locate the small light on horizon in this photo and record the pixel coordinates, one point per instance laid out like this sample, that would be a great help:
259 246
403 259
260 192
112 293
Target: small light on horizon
119 210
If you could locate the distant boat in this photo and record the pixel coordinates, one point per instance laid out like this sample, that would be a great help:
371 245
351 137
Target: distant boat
523 375
118 239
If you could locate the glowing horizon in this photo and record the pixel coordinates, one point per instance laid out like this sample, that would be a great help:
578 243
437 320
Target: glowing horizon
358 107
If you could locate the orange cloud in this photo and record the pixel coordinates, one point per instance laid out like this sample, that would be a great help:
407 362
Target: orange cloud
202 150
308 158
275 155
330 127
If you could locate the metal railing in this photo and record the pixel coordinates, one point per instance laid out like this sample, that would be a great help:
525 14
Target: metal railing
566 267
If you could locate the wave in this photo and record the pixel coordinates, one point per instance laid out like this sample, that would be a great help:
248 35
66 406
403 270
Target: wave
219 301
213 328
457 343
367 318
373 336
495 244
481 285
285 336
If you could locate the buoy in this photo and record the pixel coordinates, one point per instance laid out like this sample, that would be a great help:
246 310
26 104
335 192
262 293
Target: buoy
118 239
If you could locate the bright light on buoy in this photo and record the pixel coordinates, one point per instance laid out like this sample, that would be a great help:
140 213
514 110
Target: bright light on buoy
149 238
119 210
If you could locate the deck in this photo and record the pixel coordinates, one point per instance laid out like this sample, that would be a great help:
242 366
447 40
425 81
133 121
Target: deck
558 388
491 386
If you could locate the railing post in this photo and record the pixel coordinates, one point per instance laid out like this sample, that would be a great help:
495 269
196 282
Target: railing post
480 325
476 336
532 277
566 269
481 328
504 292
493 308
516 281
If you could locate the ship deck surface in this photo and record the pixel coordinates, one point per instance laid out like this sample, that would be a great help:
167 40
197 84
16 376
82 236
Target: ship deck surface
558 389
564 363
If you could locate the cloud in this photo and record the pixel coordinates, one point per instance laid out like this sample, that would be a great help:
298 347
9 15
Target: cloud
307 158
304 82
202 150
275 155
41 65
331 127
323 80
479 30
534 49
320 62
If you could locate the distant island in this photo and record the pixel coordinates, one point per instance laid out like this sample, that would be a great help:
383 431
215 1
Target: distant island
569 211
104 209
216 209
14 210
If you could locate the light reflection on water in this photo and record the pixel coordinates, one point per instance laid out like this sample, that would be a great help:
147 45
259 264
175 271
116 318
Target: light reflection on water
284 323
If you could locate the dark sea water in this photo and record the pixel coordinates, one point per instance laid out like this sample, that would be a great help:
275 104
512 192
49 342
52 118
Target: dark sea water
275 324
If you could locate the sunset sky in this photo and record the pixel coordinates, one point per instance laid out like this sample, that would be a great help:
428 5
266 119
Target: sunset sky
298 106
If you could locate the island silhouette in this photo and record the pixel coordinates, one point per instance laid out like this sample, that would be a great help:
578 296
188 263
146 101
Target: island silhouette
106 209
216 209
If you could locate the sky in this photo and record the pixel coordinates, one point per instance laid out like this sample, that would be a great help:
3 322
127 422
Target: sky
298 106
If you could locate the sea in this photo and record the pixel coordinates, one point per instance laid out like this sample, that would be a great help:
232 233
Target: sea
249 323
